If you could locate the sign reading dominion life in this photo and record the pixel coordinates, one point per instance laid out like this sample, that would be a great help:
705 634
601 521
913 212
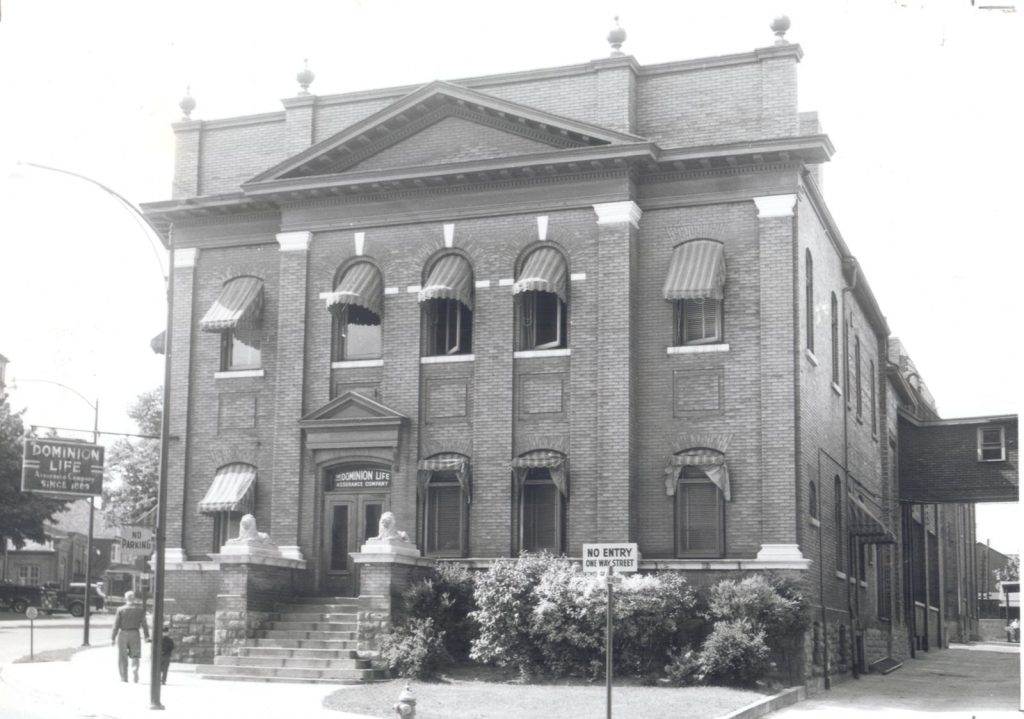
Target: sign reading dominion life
62 467
357 478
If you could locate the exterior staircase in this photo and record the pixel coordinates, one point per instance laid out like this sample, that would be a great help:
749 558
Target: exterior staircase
312 640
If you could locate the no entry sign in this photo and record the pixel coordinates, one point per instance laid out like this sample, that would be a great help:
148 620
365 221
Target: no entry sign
622 557
54 466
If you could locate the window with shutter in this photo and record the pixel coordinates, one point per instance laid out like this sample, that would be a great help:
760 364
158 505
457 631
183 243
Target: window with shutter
700 512
540 517
444 516
698 321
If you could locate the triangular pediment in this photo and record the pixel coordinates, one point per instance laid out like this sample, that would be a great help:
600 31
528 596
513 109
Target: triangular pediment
352 408
442 124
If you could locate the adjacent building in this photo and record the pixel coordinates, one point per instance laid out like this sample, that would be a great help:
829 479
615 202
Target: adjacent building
600 302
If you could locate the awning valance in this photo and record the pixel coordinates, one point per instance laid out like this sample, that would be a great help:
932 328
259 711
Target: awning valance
450 462
697 271
239 305
709 462
543 271
554 462
231 491
451 278
865 527
361 285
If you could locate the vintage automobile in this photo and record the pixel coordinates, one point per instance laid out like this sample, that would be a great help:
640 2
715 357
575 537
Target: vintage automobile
19 597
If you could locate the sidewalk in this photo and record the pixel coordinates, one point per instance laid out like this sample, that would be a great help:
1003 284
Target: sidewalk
967 680
89 686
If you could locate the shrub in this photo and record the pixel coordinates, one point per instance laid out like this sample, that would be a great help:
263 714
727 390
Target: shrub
653 614
567 625
683 668
446 597
735 653
414 650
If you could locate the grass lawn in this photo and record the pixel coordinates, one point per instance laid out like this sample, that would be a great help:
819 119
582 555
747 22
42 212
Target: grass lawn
481 694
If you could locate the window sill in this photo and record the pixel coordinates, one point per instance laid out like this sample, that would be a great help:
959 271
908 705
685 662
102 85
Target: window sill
814 522
442 359
837 389
530 354
840 575
239 373
696 349
810 357
345 364
862 583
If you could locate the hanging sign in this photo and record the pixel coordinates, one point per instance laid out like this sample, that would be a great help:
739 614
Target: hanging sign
357 478
54 466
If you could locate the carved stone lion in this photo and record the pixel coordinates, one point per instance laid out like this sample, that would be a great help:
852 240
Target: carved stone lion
247 533
386 530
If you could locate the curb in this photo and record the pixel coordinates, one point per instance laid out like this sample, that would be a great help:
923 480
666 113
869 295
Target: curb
769 704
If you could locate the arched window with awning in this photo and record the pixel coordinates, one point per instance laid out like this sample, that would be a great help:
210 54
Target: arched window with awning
357 307
695 285
230 496
541 291
541 487
447 300
237 316
698 478
443 484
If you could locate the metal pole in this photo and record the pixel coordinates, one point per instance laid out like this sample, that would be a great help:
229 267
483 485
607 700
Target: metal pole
608 644
88 542
161 504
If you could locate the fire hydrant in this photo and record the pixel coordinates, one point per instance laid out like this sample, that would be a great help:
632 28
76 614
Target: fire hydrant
406 706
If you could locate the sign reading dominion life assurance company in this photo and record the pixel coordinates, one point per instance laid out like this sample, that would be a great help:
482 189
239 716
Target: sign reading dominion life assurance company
61 467
357 478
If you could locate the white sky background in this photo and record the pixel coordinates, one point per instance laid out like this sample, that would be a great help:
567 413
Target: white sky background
921 99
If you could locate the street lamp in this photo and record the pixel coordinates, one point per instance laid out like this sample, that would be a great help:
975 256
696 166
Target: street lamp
88 542
161 512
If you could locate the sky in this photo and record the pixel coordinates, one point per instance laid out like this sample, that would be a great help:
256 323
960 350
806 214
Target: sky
921 100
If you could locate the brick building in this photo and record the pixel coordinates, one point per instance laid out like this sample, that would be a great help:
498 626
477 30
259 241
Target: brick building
601 302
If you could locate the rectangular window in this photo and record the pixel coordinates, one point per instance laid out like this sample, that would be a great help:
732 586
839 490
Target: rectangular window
699 523
883 582
698 321
444 517
225 527
371 519
357 334
541 516
874 400
542 321
835 339
240 350
857 378
339 538
991 444
28 574
449 328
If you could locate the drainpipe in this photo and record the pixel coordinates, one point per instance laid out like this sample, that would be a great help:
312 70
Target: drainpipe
846 454
821 587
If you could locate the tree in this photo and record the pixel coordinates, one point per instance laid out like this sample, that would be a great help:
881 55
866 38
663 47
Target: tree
22 514
1010 573
133 464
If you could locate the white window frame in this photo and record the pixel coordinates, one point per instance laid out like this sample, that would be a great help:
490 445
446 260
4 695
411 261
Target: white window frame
984 445
227 352
339 327
679 330
453 340
528 322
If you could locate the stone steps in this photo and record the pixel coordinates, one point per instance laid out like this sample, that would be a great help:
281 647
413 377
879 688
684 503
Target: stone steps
310 639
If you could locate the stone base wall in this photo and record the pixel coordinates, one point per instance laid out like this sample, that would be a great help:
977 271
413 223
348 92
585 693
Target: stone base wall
193 636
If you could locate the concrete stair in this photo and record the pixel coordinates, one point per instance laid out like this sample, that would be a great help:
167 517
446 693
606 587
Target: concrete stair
312 640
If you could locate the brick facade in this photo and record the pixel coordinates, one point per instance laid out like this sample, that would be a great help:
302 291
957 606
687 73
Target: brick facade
614 165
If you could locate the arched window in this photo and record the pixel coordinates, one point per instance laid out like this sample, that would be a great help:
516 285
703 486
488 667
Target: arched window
695 285
541 494
237 316
444 491
699 479
541 293
837 521
447 300
812 499
357 306
229 497
835 340
857 376
809 298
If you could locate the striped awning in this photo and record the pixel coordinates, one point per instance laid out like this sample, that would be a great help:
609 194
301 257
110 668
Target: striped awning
239 305
231 491
555 462
865 527
159 343
697 271
543 271
448 462
709 462
451 278
361 285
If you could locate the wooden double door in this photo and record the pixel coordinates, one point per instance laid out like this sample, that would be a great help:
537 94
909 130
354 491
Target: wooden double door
349 520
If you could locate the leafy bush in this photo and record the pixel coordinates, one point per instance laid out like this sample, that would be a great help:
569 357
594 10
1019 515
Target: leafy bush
735 653
568 622
414 650
683 668
446 597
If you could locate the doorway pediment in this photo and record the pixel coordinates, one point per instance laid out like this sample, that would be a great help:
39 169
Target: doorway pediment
352 421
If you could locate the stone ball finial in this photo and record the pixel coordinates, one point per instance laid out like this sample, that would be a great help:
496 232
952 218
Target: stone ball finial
779 26
305 77
616 37
187 104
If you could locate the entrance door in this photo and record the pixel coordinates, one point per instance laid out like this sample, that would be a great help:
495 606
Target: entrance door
349 520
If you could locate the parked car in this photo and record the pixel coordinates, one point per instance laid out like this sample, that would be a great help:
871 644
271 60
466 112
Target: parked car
19 597
74 598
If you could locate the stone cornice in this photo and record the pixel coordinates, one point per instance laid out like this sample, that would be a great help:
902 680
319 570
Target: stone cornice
775 206
185 258
294 241
615 213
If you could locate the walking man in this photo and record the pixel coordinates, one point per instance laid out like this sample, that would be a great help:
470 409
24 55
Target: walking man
127 622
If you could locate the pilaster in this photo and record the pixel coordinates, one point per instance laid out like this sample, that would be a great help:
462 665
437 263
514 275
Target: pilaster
617 228
188 139
616 93
291 356
180 343
300 122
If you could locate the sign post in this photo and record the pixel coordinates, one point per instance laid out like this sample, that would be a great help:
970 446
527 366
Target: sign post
609 560
31 613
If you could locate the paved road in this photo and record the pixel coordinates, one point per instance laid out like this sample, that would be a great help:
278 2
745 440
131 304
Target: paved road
50 633
979 681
